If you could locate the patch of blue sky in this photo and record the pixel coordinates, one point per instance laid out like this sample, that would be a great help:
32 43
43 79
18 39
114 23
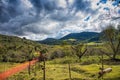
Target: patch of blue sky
86 19
106 8
116 3
119 11
98 3
103 1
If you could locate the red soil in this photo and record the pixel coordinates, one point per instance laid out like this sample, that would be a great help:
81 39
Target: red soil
14 70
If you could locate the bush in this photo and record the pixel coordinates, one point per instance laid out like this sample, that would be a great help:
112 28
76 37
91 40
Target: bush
56 54
65 60
89 60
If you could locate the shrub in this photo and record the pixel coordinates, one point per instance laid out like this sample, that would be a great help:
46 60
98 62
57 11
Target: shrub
56 54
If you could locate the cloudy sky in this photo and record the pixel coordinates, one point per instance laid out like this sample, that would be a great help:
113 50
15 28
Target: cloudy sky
40 19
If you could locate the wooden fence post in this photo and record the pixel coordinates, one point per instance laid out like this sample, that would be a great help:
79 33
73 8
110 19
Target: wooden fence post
102 67
44 69
69 71
102 64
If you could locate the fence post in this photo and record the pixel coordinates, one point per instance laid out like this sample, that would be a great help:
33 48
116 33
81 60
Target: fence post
102 67
102 64
69 71
44 69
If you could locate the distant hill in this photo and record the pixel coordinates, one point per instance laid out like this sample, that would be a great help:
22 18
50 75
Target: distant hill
74 38
50 41
80 36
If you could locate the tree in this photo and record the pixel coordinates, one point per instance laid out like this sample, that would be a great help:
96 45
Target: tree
43 58
112 37
79 50
30 58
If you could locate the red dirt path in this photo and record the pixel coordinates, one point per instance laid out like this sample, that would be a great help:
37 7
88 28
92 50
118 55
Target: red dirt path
14 70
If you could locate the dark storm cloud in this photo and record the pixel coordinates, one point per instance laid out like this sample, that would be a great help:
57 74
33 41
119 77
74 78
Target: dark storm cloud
14 16
13 8
9 9
52 8
16 19
82 5
16 25
47 5
4 15
37 5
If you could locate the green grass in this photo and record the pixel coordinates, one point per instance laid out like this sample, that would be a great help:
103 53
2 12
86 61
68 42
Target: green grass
6 65
59 71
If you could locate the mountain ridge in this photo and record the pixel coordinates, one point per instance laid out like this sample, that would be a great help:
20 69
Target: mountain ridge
74 37
79 36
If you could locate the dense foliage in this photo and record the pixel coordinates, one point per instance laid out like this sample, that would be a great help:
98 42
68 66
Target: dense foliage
15 49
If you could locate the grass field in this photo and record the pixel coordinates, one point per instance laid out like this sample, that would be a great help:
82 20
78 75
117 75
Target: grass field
6 65
60 71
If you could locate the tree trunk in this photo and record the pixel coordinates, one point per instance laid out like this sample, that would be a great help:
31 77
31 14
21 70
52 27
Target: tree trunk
102 64
114 57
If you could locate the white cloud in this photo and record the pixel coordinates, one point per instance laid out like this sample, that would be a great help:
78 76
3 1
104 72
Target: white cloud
62 3
27 3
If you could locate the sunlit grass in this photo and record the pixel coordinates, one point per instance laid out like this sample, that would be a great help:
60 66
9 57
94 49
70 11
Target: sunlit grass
6 65
56 71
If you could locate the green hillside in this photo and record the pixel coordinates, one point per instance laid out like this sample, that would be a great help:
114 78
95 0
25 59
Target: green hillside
80 36
74 38
15 49
51 41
